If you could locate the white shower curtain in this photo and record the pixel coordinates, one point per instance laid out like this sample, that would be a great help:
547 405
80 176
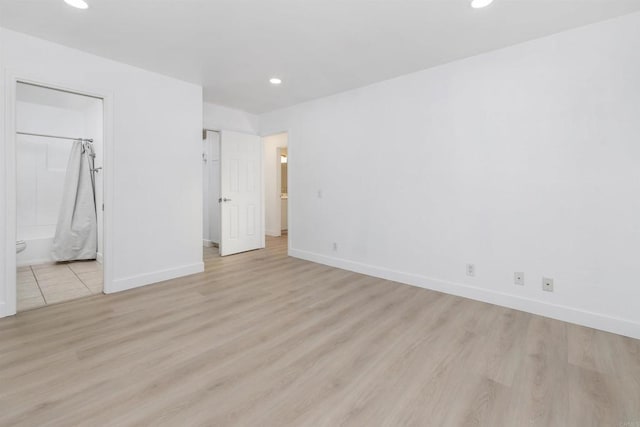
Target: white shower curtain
76 235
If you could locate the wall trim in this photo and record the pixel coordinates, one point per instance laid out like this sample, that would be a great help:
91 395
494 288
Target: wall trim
590 319
155 277
4 310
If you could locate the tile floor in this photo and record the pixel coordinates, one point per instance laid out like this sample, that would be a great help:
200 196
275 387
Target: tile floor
39 285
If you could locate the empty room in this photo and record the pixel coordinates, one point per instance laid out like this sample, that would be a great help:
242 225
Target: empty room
320 213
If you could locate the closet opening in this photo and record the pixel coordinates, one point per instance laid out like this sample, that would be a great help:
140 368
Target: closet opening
59 155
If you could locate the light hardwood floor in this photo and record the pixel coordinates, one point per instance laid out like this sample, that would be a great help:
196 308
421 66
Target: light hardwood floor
261 339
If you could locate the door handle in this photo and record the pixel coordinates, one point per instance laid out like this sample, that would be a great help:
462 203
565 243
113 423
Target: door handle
226 200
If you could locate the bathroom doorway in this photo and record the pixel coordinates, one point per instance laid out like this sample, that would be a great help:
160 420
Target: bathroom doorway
59 158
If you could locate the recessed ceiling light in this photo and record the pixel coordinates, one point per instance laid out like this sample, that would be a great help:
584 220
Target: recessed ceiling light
275 81
479 4
79 4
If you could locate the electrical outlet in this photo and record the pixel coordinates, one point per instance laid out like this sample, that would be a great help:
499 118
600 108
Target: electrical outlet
518 278
471 270
335 247
547 284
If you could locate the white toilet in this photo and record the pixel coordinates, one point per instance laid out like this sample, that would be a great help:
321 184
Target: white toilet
21 245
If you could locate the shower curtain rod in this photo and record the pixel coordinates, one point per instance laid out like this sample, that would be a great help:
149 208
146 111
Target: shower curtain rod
54 136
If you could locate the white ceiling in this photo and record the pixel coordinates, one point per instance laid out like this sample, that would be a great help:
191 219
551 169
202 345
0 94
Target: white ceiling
318 47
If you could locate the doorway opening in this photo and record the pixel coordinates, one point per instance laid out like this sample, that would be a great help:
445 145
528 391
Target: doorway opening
276 179
284 191
211 189
59 152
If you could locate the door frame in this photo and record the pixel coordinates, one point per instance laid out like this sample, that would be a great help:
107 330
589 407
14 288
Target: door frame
205 135
12 79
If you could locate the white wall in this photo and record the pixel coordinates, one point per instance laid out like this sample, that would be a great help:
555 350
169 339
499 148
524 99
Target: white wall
41 165
522 159
156 165
217 117
272 189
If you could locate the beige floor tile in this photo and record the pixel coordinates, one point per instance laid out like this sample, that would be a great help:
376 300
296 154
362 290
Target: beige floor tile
57 280
85 266
95 288
28 290
66 294
25 277
68 284
29 303
43 284
48 267
61 286
92 277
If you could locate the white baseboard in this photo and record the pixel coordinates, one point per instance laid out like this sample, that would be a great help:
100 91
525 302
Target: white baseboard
560 312
273 233
4 310
209 243
155 277
99 258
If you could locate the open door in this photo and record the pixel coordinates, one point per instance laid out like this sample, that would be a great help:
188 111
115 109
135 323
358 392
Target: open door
240 193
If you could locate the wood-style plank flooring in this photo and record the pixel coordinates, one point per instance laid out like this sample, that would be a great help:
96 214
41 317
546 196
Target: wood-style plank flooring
261 339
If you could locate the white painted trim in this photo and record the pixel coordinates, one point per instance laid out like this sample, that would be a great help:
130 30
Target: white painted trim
290 229
99 256
155 277
560 312
8 307
263 207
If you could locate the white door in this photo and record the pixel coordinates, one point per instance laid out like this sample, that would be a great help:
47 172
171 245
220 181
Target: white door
240 193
